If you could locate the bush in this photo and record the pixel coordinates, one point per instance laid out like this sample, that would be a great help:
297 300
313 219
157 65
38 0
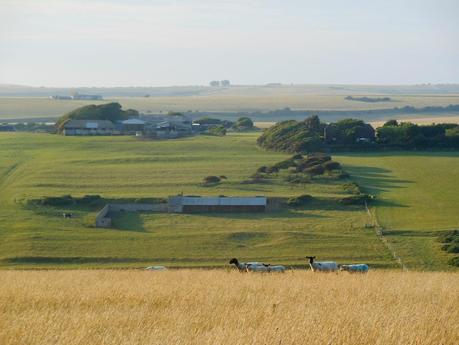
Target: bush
453 248
57 200
218 130
449 236
315 170
312 160
298 178
262 169
352 188
356 199
272 169
209 180
89 199
332 165
285 164
243 123
454 261
343 175
299 200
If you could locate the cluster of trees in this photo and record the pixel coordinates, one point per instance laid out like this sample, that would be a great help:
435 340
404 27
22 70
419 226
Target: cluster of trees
411 136
369 99
217 83
311 135
219 127
109 111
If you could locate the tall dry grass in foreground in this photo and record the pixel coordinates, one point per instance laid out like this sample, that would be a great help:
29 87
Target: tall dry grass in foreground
218 307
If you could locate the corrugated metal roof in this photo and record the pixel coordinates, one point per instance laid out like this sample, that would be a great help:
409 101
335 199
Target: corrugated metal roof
221 201
89 124
133 122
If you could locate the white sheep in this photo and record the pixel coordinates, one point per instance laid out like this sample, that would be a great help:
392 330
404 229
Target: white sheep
355 268
322 266
256 266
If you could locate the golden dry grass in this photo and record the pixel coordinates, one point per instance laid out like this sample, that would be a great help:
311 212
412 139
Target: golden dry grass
219 307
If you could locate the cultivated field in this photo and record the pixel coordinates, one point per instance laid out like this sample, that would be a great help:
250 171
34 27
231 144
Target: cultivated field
218 307
236 99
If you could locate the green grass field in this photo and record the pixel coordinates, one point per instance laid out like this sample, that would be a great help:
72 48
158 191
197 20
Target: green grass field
418 197
36 165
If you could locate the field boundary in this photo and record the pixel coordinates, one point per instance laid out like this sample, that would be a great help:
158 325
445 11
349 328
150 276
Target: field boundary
379 230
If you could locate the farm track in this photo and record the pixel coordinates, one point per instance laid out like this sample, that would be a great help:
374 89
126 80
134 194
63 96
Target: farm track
8 173
380 233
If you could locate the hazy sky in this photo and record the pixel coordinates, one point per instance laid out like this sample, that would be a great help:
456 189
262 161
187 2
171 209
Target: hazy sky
190 42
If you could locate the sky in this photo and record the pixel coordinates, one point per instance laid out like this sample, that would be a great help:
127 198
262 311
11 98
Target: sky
68 43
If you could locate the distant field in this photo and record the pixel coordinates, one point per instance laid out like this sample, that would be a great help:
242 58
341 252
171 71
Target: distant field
376 124
234 99
217 307
417 197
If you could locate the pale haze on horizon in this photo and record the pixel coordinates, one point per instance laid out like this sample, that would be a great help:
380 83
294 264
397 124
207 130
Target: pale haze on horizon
190 42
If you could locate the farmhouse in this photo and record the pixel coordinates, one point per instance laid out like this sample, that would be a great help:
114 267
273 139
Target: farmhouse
196 204
88 127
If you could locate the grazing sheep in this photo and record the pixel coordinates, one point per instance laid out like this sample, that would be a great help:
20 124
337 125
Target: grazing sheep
256 266
156 268
322 266
67 215
356 268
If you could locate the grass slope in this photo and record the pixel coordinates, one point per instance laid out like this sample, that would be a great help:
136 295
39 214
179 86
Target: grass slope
35 165
418 197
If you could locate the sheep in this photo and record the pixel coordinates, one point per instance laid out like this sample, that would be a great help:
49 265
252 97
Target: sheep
355 268
322 266
256 266
67 215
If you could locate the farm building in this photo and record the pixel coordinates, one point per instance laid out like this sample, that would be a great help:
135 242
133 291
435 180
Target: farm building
196 204
7 128
79 96
132 126
88 127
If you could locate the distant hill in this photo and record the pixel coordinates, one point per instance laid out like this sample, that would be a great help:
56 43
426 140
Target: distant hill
109 111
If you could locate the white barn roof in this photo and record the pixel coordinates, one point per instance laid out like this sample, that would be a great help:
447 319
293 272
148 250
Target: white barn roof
133 122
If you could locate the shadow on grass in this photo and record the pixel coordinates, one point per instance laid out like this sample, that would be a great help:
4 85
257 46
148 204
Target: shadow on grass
127 221
375 180
286 213
411 233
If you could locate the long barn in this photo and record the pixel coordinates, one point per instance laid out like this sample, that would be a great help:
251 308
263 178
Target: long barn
196 204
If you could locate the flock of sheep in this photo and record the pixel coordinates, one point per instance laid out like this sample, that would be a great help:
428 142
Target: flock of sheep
316 266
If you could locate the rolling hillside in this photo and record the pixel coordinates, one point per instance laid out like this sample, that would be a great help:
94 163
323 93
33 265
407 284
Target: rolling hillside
36 165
